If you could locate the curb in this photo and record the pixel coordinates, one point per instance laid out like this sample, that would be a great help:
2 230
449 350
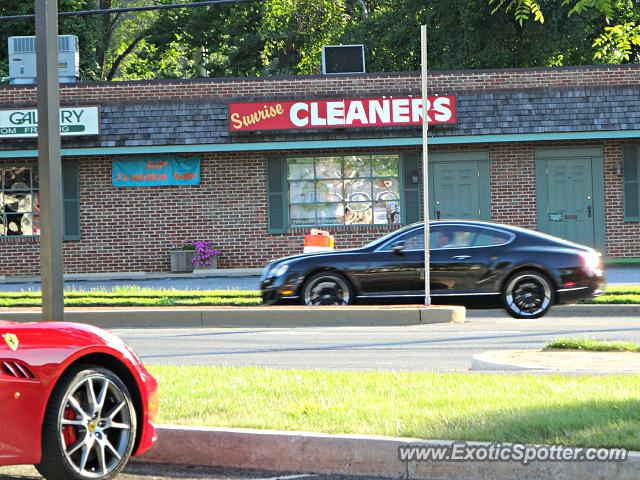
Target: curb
237 317
579 310
494 360
319 453
485 361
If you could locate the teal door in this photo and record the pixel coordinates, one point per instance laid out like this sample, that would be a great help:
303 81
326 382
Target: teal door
569 199
456 190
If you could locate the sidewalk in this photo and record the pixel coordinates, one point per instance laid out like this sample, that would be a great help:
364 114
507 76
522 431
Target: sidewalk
558 361
217 279
214 279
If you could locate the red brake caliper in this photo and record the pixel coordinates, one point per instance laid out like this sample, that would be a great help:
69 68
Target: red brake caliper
68 432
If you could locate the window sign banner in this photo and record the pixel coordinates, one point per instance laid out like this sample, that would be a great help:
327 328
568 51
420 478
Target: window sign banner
74 121
155 172
345 113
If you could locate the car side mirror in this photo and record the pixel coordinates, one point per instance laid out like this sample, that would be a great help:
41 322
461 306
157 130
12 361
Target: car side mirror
398 247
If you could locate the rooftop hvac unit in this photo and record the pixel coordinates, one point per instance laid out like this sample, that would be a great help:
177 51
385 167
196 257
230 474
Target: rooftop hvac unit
337 59
22 59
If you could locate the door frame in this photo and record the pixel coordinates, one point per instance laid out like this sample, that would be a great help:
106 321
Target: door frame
484 180
594 154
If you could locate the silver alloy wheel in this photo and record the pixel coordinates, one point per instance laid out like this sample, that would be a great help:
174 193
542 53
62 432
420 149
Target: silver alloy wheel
95 424
327 290
528 295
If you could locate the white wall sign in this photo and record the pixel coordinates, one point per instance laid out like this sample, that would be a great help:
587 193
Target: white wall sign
74 121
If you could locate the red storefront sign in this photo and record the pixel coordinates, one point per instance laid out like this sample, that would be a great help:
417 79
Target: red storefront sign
347 113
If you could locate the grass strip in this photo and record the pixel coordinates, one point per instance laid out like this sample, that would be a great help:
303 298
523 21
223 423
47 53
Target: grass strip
619 299
591 345
556 409
140 296
622 290
136 302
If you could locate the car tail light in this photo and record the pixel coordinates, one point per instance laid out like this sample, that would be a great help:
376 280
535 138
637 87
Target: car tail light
590 261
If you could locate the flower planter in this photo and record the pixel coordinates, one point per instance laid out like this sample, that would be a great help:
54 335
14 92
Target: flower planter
182 261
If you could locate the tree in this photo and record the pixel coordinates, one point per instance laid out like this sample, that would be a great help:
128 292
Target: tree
464 34
106 41
213 40
619 40
294 32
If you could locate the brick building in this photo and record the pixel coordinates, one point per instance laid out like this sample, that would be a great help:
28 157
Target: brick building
556 150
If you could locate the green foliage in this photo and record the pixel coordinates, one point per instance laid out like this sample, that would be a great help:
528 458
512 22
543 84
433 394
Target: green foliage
577 410
523 8
607 7
619 37
276 37
134 296
294 32
591 345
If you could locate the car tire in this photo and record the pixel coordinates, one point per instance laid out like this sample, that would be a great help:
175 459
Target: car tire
327 288
89 427
528 294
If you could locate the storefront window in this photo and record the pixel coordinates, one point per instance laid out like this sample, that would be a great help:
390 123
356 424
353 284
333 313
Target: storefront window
19 203
344 190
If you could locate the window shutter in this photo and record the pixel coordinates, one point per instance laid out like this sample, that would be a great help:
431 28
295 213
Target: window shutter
276 194
410 167
71 201
631 182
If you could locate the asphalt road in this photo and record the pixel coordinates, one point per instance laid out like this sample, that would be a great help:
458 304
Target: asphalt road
440 347
137 471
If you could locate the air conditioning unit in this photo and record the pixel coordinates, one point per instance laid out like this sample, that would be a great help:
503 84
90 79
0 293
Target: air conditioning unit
22 59
342 59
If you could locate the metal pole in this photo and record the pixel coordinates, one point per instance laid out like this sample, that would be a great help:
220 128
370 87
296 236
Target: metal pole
425 165
49 163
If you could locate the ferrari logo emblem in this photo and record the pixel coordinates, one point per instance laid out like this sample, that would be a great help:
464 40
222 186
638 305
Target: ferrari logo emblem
11 340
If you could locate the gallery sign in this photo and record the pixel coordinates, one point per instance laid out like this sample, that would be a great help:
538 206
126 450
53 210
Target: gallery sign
74 121
345 113
155 171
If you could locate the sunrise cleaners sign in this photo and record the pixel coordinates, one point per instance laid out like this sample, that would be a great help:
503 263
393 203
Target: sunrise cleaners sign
345 113
74 121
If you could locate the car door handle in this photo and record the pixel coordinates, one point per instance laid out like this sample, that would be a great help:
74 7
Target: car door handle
461 257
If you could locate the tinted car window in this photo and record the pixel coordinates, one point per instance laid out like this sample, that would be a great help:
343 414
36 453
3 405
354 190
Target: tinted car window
450 236
460 236
485 238
413 240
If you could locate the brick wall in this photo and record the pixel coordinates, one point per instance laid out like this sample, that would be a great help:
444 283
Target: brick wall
513 184
318 86
623 238
131 229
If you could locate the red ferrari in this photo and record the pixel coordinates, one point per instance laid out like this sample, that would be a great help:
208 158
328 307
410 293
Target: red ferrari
75 401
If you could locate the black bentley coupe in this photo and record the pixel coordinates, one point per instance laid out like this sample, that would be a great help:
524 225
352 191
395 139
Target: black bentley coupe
472 263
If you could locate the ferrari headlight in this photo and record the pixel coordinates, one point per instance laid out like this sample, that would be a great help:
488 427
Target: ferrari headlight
281 270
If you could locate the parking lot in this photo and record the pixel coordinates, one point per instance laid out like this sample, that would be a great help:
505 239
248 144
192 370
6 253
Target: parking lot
440 347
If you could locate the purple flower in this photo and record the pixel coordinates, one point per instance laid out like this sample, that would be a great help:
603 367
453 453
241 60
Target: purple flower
204 253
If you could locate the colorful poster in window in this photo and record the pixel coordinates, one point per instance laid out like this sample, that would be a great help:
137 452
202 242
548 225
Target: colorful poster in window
155 171
344 190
